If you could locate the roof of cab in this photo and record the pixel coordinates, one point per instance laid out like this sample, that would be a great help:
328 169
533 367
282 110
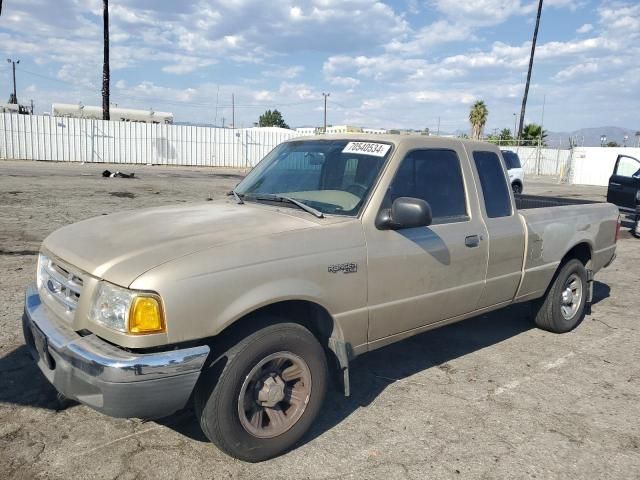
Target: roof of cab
396 139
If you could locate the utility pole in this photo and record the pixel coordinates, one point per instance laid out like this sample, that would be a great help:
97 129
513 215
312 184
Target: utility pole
32 107
438 132
325 95
106 74
14 97
515 121
533 51
233 111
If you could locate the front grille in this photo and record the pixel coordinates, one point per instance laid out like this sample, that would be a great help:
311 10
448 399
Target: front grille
63 285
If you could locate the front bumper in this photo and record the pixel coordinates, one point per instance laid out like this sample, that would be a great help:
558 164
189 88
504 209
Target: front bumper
109 379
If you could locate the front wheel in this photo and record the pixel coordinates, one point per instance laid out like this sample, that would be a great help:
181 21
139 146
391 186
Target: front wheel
562 308
267 395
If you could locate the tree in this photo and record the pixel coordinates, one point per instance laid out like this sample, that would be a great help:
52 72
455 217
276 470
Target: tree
478 118
505 135
502 138
532 134
612 144
106 74
526 87
272 119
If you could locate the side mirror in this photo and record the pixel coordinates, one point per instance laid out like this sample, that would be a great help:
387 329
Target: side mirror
405 212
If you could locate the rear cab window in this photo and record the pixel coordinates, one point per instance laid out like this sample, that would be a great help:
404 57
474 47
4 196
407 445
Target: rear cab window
495 190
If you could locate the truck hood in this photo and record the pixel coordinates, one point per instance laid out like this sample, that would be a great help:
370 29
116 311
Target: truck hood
122 246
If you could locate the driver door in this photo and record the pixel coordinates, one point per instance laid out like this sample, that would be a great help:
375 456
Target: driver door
419 276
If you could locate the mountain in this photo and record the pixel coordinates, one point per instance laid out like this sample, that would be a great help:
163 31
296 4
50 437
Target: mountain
590 137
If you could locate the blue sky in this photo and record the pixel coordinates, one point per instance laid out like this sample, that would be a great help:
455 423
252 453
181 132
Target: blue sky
402 63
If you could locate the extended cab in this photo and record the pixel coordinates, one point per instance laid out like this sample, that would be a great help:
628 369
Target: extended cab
331 247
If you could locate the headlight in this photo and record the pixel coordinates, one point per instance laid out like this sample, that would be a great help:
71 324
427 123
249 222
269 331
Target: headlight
126 310
40 273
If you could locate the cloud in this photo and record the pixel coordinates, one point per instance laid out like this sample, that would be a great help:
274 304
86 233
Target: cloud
576 70
439 32
347 82
586 28
284 72
482 12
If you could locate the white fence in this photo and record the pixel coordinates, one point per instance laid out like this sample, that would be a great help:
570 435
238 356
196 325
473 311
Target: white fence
542 161
35 137
594 165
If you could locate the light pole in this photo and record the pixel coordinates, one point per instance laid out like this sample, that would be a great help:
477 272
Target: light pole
603 138
515 122
14 96
325 95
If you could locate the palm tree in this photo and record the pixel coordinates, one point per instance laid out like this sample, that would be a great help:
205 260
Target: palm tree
533 133
478 118
106 75
526 87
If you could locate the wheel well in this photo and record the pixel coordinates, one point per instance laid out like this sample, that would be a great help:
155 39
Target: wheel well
308 314
517 181
581 251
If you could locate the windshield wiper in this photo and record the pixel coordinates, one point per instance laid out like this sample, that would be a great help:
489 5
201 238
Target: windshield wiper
297 203
238 198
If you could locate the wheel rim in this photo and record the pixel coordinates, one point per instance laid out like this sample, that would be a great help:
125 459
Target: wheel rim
571 296
274 395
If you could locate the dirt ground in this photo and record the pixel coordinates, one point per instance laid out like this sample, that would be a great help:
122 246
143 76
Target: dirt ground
491 397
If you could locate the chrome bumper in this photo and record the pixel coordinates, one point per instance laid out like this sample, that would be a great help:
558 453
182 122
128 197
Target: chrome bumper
111 380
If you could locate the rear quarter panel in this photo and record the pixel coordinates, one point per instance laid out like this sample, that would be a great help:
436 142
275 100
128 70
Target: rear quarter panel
554 231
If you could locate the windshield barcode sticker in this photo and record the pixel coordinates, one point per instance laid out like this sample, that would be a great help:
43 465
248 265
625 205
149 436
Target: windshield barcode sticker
367 148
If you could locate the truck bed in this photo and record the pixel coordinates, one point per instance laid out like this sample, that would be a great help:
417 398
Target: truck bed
526 202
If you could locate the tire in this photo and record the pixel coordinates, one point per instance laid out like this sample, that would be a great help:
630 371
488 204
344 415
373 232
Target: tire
553 312
516 187
242 371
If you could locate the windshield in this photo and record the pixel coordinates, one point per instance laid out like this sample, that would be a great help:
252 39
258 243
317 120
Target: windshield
332 176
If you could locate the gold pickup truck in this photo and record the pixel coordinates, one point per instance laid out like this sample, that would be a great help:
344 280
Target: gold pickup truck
331 246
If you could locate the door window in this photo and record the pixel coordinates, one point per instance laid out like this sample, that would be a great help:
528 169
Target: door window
435 176
497 200
628 167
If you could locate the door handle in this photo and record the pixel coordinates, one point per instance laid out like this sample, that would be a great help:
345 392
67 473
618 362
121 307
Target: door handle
472 241
614 184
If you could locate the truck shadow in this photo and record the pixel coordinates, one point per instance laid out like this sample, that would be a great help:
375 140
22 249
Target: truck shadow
371 374
23 383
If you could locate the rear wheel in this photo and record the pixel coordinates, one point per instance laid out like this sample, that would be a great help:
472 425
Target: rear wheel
267 395
562 308
517 188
